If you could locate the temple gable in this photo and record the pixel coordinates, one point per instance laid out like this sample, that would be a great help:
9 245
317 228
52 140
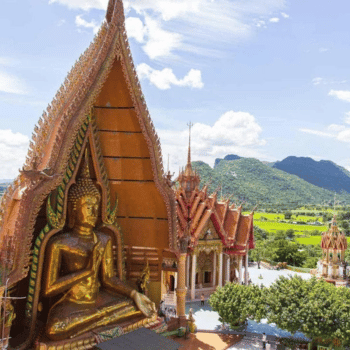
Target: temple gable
100 102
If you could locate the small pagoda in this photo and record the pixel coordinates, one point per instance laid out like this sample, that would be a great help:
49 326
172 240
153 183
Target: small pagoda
332 267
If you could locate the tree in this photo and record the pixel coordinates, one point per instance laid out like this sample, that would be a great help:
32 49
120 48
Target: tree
288 215
235 303
257 253
259 233
314 307
290 233
286 251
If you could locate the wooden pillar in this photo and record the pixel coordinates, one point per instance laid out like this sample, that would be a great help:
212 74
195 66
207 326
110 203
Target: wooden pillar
220 269
188 271
193 282
227 269
214 269
240 270
181 287
246 270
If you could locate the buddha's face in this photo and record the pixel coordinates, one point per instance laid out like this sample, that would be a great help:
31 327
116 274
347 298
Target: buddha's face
87 211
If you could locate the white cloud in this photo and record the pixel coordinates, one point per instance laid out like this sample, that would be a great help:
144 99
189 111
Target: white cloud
82 4
81 22
261 23
178 25
135 29
336 127
170 26
338 132
13 150
317 81
344 135
316 132
163 79
233 132
6 61
61 22
347 118
11 84
160 42
323 81
323 49
343 95
274 19
315 157
284 15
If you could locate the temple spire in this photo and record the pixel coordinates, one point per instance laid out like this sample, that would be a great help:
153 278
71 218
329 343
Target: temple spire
188 178
188 169
189 143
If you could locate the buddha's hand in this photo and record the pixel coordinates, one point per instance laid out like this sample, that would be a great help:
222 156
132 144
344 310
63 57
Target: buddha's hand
146 306
96 256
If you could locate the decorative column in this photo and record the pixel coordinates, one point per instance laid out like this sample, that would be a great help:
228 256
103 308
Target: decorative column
181 289
227 268
214 269
220 270
188 271
341 271
330 270
246 270
240 270
193 282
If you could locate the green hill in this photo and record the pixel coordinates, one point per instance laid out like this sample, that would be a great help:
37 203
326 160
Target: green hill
322 173
255 182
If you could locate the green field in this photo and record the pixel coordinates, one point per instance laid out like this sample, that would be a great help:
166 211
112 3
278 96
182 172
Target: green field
273 226
314 240
302 209
280 216
269 216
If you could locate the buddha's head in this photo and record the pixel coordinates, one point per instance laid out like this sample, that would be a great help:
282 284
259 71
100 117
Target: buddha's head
83 200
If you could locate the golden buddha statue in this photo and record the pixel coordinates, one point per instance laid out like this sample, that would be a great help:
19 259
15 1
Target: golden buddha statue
80 271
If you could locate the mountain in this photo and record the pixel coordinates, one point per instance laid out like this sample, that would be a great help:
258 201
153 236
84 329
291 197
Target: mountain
323 173
255 182
2 181
228 157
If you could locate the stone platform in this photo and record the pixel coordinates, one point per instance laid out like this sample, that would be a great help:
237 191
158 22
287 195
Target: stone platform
101 334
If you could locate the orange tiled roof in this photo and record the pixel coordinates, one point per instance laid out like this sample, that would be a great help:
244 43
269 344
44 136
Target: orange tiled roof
197 208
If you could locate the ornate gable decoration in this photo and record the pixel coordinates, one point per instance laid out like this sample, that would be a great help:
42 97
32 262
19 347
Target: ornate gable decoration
197 209
54 140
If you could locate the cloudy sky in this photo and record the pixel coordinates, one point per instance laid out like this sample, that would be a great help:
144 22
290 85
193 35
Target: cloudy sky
257 78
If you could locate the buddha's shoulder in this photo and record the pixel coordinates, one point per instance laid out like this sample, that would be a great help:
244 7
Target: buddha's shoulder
62 238
103 237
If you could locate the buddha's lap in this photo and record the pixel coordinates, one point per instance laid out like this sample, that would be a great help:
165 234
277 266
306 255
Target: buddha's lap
105 304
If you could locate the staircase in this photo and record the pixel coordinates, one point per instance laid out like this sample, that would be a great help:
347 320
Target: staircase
169 299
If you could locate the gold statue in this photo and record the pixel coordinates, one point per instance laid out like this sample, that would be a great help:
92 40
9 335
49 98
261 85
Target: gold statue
144 280
78 263
191 322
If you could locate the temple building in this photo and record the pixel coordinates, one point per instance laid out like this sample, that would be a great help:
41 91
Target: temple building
332 267
218 236
89 211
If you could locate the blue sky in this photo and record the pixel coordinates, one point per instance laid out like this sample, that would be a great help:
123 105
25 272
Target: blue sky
264 79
